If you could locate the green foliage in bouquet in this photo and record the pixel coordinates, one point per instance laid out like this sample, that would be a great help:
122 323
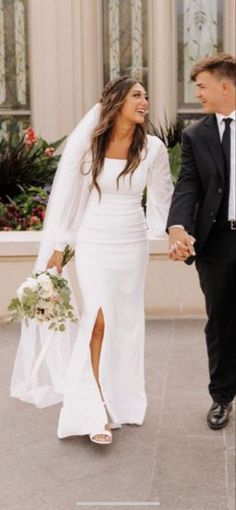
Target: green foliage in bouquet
25 160
67 255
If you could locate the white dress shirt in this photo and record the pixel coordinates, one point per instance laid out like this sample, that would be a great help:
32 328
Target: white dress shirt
232 191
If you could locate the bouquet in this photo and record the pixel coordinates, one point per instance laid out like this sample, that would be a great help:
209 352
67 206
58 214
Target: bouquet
45 297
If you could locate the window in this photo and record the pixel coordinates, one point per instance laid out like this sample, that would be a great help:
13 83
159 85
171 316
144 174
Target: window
14 72
125 39
200 33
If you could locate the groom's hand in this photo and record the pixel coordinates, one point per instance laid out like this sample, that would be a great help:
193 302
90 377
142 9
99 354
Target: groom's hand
180 244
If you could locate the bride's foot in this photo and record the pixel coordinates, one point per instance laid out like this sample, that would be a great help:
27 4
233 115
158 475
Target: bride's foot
102 438
111 424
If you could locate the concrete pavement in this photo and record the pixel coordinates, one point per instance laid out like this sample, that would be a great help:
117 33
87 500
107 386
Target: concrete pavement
173 462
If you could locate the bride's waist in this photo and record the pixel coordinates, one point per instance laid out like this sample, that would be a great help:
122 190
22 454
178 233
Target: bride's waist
112 231
118 213
112 221
112 217
114 202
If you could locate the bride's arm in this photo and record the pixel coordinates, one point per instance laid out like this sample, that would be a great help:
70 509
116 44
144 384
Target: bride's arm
159 192
56 260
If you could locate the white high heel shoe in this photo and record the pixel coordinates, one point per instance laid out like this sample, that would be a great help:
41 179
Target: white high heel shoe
106 437
106 433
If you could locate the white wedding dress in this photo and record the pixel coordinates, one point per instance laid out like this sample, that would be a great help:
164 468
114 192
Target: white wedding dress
111 248
111 259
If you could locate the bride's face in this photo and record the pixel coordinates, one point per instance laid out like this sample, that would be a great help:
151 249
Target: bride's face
135 106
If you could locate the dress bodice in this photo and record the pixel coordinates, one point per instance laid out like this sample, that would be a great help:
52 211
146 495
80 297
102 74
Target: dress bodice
128 185
117 215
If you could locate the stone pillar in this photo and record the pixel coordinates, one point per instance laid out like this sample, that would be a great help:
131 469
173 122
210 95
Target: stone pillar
65 68
87 54
229 27
162 60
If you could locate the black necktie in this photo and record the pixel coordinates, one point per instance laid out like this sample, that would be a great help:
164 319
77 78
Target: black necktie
225 143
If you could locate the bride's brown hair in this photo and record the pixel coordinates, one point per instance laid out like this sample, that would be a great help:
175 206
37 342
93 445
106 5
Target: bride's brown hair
112 100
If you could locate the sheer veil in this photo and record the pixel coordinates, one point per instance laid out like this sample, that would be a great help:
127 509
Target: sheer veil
42 356
70 188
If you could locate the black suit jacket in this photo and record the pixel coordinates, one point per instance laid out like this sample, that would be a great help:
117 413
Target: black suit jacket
200 187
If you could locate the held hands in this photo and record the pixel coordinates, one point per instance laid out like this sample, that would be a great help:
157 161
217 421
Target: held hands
56 261
180 244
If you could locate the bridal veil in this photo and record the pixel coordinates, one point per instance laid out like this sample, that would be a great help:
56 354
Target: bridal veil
43 356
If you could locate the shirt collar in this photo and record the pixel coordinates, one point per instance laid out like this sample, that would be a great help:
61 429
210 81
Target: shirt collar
220 117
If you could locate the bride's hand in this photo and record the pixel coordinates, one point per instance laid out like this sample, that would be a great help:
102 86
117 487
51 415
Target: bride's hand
56 261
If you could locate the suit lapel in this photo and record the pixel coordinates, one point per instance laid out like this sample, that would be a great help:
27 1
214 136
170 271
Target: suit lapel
212 136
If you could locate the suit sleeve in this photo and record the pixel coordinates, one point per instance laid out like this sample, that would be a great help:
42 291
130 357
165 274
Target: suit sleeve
188 188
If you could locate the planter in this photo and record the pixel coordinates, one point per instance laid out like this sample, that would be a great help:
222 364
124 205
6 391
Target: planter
172 288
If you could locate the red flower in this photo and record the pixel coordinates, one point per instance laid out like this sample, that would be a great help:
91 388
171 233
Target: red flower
30 137
39 212
49 152
6 229
34 220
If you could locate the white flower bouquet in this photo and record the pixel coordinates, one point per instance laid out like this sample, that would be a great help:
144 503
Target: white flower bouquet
45 297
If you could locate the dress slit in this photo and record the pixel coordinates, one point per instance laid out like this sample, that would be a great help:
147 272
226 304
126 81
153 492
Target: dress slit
104 393
93 405
102 390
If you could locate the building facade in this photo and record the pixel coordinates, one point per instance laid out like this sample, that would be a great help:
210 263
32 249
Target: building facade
56 55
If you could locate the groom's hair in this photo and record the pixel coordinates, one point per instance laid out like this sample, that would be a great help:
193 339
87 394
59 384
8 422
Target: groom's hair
222 65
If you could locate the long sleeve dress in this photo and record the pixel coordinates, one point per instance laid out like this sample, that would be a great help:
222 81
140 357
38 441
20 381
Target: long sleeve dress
111 259
111 254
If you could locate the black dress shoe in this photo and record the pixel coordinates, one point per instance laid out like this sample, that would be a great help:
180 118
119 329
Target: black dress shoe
218 415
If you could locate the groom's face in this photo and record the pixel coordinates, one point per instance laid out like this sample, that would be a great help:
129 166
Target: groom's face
210 90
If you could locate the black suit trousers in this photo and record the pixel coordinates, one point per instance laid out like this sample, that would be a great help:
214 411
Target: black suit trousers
216 265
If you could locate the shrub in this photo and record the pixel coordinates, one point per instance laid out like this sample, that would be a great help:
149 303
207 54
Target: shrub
25 161
26 211
171 135
170 132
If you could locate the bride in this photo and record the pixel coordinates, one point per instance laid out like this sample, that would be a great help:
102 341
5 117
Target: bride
95 205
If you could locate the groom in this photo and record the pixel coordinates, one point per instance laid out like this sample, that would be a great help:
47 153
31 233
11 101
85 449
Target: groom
202 221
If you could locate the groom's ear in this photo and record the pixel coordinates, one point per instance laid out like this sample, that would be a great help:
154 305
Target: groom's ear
226 86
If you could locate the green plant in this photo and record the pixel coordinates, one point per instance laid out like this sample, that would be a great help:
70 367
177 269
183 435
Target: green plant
171 135
170 132
25 160
26 211
175 160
